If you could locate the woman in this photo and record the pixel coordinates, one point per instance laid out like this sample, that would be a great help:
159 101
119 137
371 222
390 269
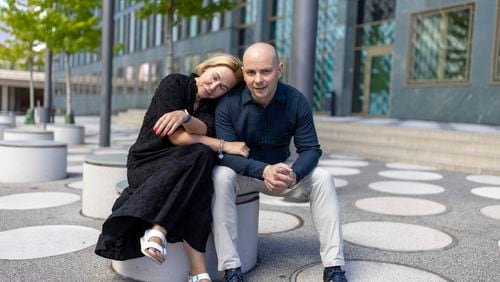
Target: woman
169 170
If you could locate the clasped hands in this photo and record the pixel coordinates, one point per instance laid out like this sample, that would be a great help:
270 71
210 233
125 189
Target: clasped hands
278 177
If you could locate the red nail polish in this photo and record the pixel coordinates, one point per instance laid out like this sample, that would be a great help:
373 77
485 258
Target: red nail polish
163 134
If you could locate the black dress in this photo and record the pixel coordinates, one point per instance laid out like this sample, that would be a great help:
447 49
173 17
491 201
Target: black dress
168 185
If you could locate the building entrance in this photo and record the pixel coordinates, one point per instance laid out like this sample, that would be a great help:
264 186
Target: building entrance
377 81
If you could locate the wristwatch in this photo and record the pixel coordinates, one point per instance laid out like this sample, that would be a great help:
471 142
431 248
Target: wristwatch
188 116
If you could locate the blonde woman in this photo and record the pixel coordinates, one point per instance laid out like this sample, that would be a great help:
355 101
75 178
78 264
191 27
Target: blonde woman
169 170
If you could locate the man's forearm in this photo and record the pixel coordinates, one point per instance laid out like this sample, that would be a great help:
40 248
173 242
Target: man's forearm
243 166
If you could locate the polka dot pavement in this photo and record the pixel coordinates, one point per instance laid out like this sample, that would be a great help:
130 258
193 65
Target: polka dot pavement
406 187
45 241
487 192
410 175
370 271
395 236
400 206
37 200
401 222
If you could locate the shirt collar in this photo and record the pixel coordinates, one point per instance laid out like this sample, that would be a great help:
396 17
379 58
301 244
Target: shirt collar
279 97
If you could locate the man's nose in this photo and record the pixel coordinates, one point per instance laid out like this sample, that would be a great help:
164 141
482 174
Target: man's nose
258 78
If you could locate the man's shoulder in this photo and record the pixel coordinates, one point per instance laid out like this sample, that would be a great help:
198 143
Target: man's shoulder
291 91
234 94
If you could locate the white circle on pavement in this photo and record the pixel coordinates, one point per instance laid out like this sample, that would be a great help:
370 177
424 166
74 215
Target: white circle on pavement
484 179
400 206
36 200
487 192
75 185
280 201
75 169
273 222
410 175
344 163
395 236
371 271
491 211
45 241
409 166
406 187
339 182
76 158
338 171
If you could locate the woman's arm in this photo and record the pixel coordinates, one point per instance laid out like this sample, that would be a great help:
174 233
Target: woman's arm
168 123
181 138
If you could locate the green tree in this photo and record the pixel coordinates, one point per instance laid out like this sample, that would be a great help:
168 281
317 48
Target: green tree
71 26
21 20
183 9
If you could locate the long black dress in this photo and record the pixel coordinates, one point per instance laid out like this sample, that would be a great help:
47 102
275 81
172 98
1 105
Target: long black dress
168 185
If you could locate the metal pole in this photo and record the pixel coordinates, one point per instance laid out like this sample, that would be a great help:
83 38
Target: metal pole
46 114
107 72
305 20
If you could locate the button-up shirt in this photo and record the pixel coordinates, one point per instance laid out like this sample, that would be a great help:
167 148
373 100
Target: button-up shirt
268 131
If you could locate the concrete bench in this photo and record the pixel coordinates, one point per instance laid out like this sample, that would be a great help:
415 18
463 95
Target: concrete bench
70 134
100 175
32 161
8 118
176 267
27 133
4 126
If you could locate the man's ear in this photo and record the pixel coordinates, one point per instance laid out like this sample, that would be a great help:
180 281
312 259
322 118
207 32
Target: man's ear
280 69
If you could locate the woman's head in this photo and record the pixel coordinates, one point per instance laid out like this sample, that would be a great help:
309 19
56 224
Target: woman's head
217 75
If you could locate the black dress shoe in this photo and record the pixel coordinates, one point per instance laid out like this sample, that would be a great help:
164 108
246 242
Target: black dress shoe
334 274
233 275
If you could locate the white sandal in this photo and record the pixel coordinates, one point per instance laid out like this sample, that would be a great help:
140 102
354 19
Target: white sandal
199 277
146 244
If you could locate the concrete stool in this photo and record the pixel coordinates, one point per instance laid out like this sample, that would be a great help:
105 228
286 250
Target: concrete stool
27 133
100 174
32 161
9 118
4 126
176 267
70 134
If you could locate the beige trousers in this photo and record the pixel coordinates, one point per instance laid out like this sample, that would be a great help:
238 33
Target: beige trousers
317 186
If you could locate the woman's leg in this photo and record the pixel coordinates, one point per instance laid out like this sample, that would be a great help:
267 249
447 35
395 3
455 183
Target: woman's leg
197 260
154 252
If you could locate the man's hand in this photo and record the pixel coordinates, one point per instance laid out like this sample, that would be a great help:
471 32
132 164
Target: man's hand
278 177
169 122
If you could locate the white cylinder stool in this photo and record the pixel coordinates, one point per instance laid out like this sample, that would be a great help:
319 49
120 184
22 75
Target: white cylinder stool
9 118
3 126
100 175
176 267
70 134
27 133
32 160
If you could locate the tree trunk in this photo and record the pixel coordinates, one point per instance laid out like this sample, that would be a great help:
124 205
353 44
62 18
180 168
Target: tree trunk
69 110
169 42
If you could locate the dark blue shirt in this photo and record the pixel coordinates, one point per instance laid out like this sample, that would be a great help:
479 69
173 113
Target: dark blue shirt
268 131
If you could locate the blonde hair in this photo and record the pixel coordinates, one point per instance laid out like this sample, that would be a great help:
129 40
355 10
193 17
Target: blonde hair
226 60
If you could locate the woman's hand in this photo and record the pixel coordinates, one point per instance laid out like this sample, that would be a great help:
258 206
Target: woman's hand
169 122
236 148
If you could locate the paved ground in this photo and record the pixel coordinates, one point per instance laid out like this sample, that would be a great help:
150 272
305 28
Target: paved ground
401 223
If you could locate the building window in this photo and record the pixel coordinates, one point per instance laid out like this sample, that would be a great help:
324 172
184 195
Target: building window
247 17
496 59
190 62
440 45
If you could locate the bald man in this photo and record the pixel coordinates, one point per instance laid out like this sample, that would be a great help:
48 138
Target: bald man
266 114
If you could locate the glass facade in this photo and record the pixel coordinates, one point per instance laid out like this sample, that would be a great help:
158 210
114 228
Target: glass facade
373 57
440 46
325 48
496 56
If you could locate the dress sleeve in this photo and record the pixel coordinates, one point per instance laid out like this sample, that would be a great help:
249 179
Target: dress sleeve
171 94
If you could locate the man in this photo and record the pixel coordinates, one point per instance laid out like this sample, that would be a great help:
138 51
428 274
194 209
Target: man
266 114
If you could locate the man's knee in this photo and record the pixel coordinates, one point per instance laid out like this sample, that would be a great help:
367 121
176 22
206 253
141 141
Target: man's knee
321 177
223 177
